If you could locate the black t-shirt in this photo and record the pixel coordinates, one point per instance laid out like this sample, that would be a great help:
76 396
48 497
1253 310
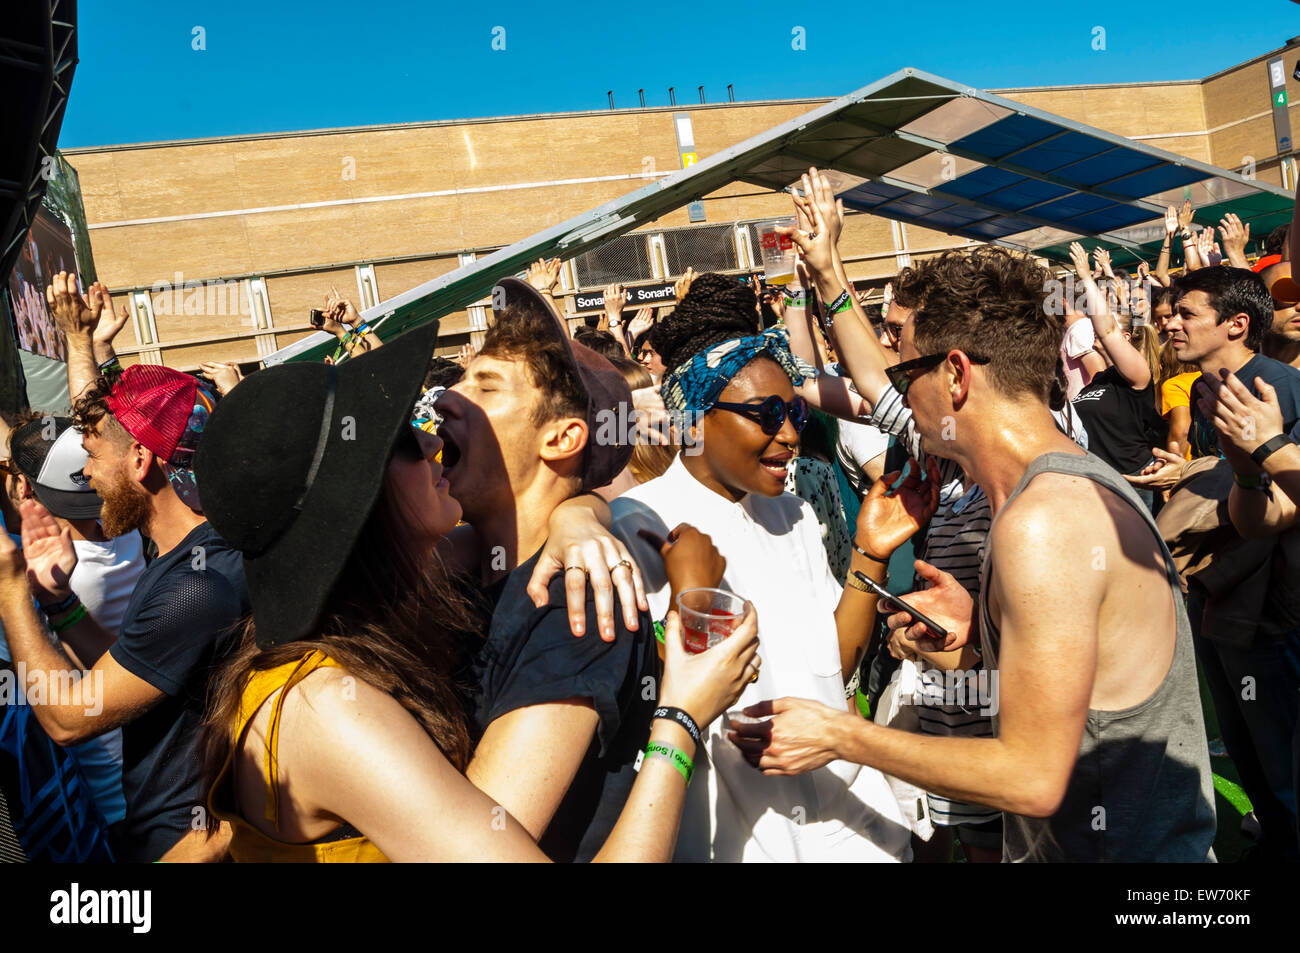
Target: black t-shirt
1283 378
1123 423
530 657
182 620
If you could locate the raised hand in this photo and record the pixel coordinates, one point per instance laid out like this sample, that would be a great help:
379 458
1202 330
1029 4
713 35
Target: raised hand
1171 221
340 309
110 324
544 275
75 314
1102 258
642 321
466 354
818 245
888 518
225 374
1235 236
1204 244
682 286
1185 215
50 555
1079 257
615 300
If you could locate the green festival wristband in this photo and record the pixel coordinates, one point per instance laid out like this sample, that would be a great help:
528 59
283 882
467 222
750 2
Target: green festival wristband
71 620
659 632
657 749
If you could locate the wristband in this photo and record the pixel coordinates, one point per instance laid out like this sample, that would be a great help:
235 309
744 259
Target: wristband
71 620
1251 482
58 608
659 631
657 749
862 552
799 300
841 303
681 718
1268 448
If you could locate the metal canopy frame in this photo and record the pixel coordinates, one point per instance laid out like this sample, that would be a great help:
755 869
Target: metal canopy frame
1103 190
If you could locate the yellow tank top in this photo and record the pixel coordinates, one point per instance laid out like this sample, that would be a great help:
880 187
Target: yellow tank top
250 845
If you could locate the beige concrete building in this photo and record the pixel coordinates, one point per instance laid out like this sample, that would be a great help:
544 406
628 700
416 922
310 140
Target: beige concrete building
221 246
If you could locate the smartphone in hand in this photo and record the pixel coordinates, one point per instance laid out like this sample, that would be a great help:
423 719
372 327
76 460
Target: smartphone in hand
939 631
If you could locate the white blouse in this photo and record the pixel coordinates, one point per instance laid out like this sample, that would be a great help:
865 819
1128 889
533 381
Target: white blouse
775 559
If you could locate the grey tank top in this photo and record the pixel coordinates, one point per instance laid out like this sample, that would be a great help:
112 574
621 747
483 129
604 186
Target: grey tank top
1141 789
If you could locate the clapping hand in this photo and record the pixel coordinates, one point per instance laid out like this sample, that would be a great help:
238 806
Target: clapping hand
1243 421
49 552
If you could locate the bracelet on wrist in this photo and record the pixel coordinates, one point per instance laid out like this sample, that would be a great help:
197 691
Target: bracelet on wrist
71 620
842 303
62 606
862 552
1253 482
1268 448
657 749
679 717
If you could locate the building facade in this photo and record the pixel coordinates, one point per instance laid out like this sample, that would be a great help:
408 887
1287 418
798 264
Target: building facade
220 247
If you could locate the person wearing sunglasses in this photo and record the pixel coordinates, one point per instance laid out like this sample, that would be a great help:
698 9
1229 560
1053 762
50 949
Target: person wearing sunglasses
1080 613
733 391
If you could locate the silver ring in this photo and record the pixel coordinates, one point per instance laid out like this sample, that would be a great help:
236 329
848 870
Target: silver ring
579 568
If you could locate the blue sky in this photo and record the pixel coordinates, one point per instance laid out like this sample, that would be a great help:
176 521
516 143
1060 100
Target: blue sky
283 65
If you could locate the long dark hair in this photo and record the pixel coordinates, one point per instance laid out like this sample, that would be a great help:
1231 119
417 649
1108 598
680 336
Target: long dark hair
394 620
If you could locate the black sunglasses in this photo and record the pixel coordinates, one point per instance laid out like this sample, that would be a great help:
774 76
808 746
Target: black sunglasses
900 375
771 413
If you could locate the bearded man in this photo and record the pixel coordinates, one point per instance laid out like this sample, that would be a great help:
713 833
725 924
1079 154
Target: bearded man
139 431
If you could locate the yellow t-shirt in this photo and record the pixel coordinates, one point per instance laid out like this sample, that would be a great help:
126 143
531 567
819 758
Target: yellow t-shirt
1177 392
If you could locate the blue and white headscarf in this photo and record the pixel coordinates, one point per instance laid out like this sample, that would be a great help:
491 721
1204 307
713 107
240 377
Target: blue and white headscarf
696 384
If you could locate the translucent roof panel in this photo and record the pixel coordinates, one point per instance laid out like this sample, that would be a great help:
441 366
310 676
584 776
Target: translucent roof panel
919 149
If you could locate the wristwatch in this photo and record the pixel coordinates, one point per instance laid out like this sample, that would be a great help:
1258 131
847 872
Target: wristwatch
1268 448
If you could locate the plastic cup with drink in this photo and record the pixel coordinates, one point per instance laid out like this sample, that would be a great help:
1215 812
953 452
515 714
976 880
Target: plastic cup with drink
708 616
778 250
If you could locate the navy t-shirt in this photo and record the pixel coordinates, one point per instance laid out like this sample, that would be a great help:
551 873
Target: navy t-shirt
1283 378
182 621
530 657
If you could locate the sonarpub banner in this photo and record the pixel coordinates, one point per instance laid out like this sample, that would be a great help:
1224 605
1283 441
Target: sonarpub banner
637 297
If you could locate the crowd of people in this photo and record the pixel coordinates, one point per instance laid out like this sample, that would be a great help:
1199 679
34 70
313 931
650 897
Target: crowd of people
391 606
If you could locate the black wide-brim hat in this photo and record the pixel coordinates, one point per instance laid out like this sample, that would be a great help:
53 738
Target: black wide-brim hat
291 464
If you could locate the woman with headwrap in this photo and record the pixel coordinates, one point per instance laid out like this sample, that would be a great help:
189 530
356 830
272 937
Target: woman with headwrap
732 392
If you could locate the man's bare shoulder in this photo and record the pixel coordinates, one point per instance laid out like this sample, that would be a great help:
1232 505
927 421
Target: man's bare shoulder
1052 527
